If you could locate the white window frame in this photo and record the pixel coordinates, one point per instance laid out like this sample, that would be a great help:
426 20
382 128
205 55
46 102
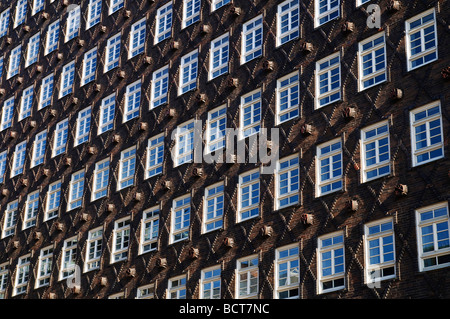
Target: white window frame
253 32
164 17
68 258
184 140
210 285
4 278
121 240
132 101
3 159
60 137
39 146
20 153
101 179
112 52
288 98
251 104
115 5
83 126
376 272
188 72
216 129
53 201
329 155
46 91
146 292
89 66
432 222
149 230
10 217
73 23
2 67
7 113
26 102
94 13
22 275
248 211
216 4
247 268
180 215
213 207
287 268
67 79
160 87
327 68
329 14
427 121
137 38
76 190
373 48
287 177
44 269
52 39
379 133
332 249
31 210
191 12
288 21
14 62
177 287
107 113
424 52
219 56
33 49
21 12
127 168
4 22
94 245
155 156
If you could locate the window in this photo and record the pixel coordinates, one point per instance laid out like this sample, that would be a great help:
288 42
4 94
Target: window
330 262
137 38
89 66
76 189
22 275
132 101
101 179
1 67
44 270
372 61
7 114
216 129
60 138
26 103
146 292
73 23
213 208
163 29
39 145
361 2
188 72
329 167
216 4
250 114
287 272
93 249
14 62
252 39
19 159
160 87
119 295
287 181
379 251
121 240
127 167
53 200
52 37
191 12
112 53
67 78
288 98
4 22
83 126
46 93
248 195
433 242
149 230
247 278
3 158
328 80
115 5
210 285
421 39
10 219
68 259
184 143
31 210
288 26
426 133
107 111
180 221
155 156
326 10
33 49
219 56
21 12
375 153
94 13
177 288
4 276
